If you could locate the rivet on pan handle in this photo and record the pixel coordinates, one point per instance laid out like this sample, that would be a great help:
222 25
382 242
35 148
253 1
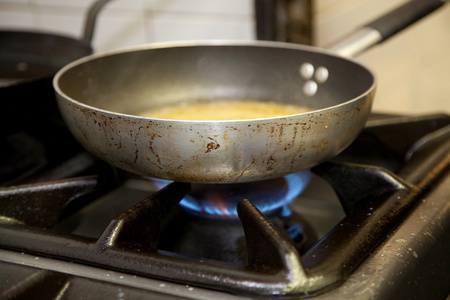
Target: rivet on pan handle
383 28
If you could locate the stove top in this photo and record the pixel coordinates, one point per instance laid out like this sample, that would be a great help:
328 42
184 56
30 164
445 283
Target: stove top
372 223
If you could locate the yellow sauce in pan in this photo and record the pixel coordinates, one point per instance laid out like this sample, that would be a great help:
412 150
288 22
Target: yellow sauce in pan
224 110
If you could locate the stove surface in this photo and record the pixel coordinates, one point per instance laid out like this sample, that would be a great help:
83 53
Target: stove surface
383 239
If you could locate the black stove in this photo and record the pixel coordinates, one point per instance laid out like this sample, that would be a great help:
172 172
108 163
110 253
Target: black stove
373 223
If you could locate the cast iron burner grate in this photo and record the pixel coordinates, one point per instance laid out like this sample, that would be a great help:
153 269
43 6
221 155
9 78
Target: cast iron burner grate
375 197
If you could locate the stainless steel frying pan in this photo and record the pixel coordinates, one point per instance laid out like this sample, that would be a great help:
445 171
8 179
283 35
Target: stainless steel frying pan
101 96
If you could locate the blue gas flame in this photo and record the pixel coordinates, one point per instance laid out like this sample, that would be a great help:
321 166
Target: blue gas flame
213 203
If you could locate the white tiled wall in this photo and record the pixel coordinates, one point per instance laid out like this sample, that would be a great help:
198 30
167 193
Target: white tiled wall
123 23
413 68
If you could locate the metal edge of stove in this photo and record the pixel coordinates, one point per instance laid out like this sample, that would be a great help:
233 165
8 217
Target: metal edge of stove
118 279
411 252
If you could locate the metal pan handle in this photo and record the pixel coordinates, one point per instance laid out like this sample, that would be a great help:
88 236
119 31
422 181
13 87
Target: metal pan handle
383 28
91 18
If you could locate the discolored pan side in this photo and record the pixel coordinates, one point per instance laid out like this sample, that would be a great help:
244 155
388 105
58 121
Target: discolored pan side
100 98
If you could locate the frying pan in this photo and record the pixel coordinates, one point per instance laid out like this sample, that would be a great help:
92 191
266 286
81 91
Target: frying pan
101 96
28 62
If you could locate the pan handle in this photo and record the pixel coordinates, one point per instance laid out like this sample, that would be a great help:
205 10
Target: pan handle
91 18
383 28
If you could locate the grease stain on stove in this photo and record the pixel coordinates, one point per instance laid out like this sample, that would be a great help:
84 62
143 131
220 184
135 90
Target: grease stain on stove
120 294
401 241
189 288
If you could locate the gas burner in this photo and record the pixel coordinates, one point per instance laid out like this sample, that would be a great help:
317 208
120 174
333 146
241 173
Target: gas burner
396 218
219 201
208 225
223 239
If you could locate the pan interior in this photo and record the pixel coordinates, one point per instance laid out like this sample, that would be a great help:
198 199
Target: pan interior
132 81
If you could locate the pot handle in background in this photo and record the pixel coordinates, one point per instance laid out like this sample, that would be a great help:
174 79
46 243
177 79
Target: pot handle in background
91 18
383 28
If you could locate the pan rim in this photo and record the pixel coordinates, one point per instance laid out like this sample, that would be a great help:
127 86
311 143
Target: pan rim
196 43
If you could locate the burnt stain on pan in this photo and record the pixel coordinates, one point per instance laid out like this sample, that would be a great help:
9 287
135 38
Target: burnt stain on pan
107 124
152 135
270 162
244 171
291 144
212 146
84 132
